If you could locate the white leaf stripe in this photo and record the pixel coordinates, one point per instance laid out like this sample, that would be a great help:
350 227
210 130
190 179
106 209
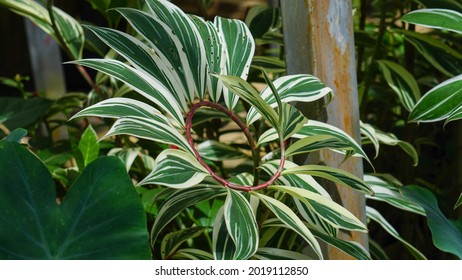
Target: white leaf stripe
217 151
184 28
176 169
368 131
179 201
241 225
455 115
313 219
377 217
436 18
223 245
167 49
150 129
147 86
141 57
288 217
267 253
300 88
292 120
327 209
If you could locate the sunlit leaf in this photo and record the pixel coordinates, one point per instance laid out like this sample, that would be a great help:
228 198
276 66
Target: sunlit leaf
436 18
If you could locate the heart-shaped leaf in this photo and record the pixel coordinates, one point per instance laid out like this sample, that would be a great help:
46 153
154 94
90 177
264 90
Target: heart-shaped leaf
100 217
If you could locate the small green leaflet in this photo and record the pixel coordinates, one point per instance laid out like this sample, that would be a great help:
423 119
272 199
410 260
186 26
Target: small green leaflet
289 218
402 82
176 169
241 225
327 209
300 88
88 146
436 18
333 174
440 102
376 216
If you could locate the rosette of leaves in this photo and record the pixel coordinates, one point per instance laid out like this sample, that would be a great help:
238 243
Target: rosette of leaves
183 65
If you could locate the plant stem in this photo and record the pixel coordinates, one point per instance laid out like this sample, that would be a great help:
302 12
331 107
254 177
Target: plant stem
247 134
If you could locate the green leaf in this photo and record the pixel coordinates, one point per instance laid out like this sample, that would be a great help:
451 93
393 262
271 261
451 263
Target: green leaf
184 30
223 245
327 209
455 115
292 120
140 82
126 155
217 151
439 103
245 91
436 18
446 236
18 112
101 216
241 225
289 218
402 82
376 216
192 254
446 4
267 253
391 140
88 146
269 64
179 201
386 192
444 58
333 174
459 202
300 88
351 248
370 135
176 169
239 47
16 135
173 240
70 30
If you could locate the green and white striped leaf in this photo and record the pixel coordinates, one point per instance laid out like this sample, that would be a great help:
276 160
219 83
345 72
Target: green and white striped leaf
143 58
70 30
241 225
313 143
459 202
270 64
217 151
377 217
440 102
145 85
179 201
444 58
327 209
292 120
300 88
176 169
402 82
455 115
268 253
173 240
436 18
239 47
182 26
223 245
289 218
150 129
126 155
333 174
250 95
386 192
165 49
370 136
192 254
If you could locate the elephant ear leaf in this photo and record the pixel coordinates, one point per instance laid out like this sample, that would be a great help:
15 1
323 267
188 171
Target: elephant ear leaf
100 217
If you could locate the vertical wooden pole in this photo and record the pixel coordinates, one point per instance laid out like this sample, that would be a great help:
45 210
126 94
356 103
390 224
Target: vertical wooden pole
318 38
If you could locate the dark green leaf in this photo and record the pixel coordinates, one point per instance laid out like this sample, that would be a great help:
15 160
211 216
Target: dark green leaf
16 135
173 240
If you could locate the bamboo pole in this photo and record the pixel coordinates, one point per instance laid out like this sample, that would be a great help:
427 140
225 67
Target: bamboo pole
318 39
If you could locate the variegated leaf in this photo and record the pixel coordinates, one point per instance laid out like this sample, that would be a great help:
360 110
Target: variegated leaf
239 48
402 82
245 91
333 174
216 56
179 201
289 218
292 120
386 192
223 245
145 85
327 209
192 254
176 169
143 58
392 140
436 18
313 143
217 151
459 202
70 30
267 253
173 240
241 225
455 115
368 131
158 130
377 217
182 26
440 102
300 88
